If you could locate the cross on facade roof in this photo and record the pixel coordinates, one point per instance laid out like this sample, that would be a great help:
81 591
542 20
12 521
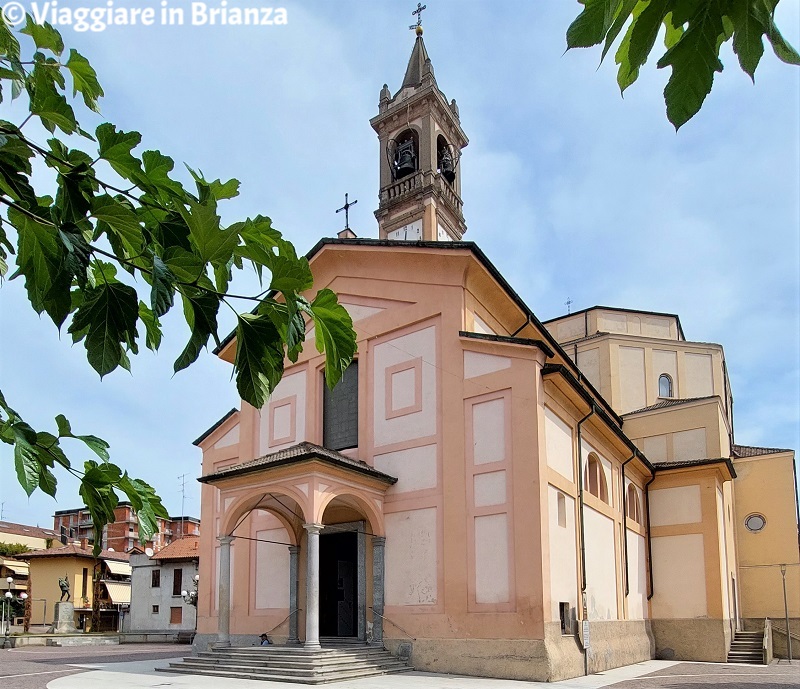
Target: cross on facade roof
418 13
346 209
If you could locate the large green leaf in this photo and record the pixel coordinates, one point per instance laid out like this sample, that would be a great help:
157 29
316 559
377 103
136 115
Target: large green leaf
152 327
334 334
213 244
119 219
25 456
259 358
108 314
184 265
592 23
162 292
694 60
42 262
84 79
115 148
156 174
200 309
146 503
97 445
640 39
44 36
46 101
747 36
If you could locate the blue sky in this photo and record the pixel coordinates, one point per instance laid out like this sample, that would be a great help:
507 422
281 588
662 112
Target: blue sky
572 191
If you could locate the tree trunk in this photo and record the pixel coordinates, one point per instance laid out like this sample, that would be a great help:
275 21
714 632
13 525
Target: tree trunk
96 570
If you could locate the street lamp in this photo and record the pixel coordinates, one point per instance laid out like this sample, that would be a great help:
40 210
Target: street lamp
6 618
786 612
7 609
191 596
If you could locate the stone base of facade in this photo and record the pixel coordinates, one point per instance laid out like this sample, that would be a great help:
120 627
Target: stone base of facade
706 640
612 644
556 657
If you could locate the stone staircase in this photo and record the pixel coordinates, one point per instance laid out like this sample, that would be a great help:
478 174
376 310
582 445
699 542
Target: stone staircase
746 647
337 660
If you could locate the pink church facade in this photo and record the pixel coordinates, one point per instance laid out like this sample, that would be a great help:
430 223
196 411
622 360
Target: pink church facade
483 493
463 474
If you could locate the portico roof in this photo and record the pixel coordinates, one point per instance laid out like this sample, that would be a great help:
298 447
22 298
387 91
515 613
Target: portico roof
296 454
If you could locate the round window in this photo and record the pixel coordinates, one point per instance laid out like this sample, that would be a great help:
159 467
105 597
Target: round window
755 523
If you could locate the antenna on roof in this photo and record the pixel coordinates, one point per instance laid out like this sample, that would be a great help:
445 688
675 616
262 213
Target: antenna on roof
182 477
568 303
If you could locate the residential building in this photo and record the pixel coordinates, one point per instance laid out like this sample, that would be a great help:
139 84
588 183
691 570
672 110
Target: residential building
33 537
158 584
77 564
123 533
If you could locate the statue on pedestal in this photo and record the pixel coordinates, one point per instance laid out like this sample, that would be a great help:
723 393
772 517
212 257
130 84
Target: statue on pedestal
63 584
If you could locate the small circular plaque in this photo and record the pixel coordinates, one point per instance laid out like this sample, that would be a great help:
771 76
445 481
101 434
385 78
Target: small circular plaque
755 522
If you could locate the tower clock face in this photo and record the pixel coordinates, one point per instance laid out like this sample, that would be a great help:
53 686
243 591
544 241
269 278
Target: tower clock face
411 232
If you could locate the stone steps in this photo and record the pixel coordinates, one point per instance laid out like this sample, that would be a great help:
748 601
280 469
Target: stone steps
746 647
292 663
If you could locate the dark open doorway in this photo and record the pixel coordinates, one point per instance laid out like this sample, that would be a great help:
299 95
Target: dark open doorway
338 589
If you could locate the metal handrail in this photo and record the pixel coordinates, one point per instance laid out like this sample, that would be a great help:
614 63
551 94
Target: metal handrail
394 624
776 628
283 620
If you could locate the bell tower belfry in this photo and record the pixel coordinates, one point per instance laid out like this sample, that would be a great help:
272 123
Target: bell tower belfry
420 150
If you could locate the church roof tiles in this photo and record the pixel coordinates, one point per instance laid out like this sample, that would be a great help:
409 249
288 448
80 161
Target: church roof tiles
741 451
670 403
301 452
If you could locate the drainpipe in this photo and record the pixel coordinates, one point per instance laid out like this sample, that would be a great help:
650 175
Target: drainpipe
625 523
583 533
522 327
580 500
649 540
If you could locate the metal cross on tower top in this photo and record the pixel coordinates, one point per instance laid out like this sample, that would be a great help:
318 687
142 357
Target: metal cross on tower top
418 13
346 209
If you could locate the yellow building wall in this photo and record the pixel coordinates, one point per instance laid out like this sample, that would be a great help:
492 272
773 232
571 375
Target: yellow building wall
32 542
696 430
44 576
765 485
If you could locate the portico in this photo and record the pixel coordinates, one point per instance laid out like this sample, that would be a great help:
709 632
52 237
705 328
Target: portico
308 492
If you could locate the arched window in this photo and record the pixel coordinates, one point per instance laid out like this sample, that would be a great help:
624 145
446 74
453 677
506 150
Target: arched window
596 478
633 507
404 154
664 385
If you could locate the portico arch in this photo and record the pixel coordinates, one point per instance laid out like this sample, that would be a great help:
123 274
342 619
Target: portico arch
292 513
360 502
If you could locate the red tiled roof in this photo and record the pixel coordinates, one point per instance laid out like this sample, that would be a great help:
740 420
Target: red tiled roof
72 550
186 548
25 530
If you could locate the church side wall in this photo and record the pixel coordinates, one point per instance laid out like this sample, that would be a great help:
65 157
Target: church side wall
691 606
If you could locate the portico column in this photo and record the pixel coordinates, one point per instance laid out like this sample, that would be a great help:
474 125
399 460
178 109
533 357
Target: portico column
312 585
378 548
294 552
224 619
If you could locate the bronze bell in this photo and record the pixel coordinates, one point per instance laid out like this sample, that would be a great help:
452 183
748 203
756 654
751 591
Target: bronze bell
446 166
406 159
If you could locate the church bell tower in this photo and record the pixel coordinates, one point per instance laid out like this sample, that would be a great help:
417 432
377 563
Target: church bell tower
420 150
